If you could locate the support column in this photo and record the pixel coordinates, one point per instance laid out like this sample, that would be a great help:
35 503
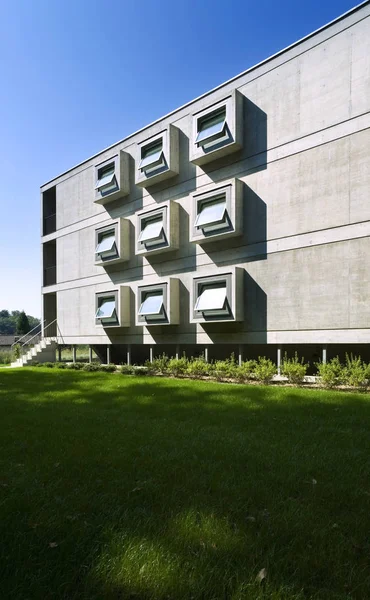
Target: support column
278 360
177 352
324 354
74 354
108 354
206 353
59 354
240 357
151 354
90 354
129 354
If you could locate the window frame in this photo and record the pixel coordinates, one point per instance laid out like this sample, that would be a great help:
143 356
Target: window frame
102 296
121 229
169 212
120 162
168 161
233 280
122 306
170 292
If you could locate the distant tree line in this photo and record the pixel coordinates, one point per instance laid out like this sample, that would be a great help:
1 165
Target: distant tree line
16 322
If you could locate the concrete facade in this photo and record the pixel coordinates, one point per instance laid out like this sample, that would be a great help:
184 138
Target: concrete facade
300 154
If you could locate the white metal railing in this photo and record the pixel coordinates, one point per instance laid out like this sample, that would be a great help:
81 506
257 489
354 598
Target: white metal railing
40 333
27 334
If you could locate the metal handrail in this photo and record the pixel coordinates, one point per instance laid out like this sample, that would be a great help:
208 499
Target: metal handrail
23 336
58 329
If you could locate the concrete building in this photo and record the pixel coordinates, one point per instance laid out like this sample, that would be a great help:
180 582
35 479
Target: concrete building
238 223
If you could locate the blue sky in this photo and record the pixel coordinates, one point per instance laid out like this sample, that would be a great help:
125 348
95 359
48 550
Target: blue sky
79 75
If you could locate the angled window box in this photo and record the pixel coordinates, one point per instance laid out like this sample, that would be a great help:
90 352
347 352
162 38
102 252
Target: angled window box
111 178
112 243
158 304
217 130
158 157
218 297
217 212
157 230
112 308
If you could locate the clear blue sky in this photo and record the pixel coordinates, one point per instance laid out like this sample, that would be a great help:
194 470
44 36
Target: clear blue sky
79 75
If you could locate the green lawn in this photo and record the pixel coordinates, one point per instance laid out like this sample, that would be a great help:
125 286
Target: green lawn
117 487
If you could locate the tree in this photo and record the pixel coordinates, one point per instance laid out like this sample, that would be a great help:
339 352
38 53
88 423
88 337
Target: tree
23 325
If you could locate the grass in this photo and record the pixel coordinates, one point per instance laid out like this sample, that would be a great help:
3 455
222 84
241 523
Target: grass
117 487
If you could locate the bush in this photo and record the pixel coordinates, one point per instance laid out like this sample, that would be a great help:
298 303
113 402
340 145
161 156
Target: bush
331 373
264 370
61 365
294 369
76 366
356 373
17 351
198 367
127 369
178 366
90 367
224 369
158 365
140 371
110 368
48 365
5 357
246 370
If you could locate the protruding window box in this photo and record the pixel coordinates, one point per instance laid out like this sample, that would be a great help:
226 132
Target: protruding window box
111 178
158 304
112 308
217 130
112 243
218 297
158 157
157 230
217 212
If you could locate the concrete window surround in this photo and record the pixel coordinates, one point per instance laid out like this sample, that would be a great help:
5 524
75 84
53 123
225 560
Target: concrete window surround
121 297
168 314
231 310
166 164
121 231
120 166
168 215
229 136
232 223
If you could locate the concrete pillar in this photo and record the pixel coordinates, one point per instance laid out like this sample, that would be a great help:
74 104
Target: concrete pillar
59 354
129 354
151 354
278 360
74 354
177 351
240 356
90 354
324 354
108 354
206 353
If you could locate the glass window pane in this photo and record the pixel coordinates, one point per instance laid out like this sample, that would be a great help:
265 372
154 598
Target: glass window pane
106 243
212 298
211 212
106 308
152 304
151 160
212 125
105 176
152 230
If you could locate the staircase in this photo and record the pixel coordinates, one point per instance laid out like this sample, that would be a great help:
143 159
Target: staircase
42 352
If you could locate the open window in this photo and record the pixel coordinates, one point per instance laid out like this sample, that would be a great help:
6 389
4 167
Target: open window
158 229
112 243
217 130
218 297
112 308
158 304
112 178
158 157
217 211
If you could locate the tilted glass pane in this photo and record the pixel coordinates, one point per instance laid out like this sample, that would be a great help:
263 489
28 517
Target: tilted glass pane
152 230
106 308
106 243
212 298
212 125
152 305
106 178
211 212
151 160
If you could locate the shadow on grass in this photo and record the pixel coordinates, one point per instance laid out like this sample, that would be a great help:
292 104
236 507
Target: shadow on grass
160 488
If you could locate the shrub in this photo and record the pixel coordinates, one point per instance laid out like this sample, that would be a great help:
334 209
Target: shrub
140 371
48 365
61 365
110 368
127 369
75 366
17 351
224 369
294 369
331 373
356 373
91 367
198 367
246 370
5 357
158 365
178 366
264 370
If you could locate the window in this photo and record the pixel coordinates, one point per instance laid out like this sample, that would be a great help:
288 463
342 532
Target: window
111 178
158 304
218 297
158 230
217 211
152 157
112 243
217 130
107 312
49 209
158 157
107 247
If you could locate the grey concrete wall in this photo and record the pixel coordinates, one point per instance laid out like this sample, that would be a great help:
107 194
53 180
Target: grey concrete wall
306 175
